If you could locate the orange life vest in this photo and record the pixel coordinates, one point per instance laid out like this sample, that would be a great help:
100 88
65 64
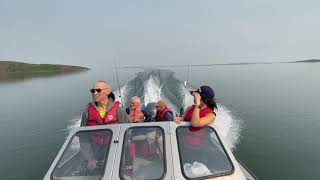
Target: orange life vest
136 115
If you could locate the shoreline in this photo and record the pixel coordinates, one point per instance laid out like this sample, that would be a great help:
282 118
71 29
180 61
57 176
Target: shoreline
13 67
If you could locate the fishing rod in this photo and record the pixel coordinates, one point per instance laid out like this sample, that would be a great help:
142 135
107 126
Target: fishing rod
161 84
185 92
185 84
115 65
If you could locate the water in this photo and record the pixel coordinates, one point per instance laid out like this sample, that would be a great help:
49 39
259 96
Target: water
269 113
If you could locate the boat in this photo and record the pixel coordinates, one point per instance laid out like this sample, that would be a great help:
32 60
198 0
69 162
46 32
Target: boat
149 150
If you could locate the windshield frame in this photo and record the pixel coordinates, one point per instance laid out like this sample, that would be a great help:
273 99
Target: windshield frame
71 139
222 146
164 150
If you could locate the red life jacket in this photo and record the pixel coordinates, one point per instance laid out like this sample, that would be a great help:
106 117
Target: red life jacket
110 117
203 113
143 148
94 119
196 136
160 115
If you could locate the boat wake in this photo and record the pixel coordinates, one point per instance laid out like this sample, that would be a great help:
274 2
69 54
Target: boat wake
152 85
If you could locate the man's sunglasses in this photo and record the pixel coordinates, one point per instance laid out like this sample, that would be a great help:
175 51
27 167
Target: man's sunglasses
94 90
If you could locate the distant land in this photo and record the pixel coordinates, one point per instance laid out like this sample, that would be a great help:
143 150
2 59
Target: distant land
20 67
11 71
308 61
220 64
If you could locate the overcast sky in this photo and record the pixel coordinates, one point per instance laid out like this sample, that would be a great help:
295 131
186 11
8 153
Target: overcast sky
149 32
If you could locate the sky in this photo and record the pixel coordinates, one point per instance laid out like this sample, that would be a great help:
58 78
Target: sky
149 32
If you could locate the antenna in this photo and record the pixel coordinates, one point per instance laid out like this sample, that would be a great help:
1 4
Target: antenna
185 92
115 65
185 84
159 91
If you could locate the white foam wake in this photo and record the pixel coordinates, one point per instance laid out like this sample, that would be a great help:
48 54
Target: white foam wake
152 92
227 126
74 123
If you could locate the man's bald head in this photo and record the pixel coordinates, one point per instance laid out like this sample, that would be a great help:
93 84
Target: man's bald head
102 85
135 99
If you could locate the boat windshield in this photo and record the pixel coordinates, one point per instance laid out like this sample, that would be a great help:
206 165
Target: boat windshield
201 153
85 156
143 154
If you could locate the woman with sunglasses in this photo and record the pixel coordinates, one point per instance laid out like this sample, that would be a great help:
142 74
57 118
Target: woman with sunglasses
195 138
202 112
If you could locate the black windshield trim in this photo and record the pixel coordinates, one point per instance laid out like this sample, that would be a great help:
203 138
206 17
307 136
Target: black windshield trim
107 152
210 176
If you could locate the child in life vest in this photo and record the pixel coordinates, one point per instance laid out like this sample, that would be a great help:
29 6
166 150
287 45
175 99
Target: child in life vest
135 110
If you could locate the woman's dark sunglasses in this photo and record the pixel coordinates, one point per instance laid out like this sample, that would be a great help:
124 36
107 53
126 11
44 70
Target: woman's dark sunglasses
94 90
198 91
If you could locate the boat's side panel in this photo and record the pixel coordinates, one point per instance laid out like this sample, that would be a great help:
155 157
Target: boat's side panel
246 172
237 170
47 176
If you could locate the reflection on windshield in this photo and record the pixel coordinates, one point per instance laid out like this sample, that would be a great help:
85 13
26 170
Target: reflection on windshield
85 156
142 154
201 153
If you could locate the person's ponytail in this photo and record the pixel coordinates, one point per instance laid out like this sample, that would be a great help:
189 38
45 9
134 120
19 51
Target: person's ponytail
211 104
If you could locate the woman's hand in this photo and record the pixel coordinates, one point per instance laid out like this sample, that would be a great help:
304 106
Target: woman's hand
197 98
177 120
137 120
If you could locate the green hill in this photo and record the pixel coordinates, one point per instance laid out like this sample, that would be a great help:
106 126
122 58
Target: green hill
19 67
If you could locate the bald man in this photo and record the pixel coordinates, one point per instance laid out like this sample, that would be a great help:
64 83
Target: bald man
103 109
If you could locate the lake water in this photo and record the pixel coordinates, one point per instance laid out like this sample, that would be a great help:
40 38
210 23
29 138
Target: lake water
273 110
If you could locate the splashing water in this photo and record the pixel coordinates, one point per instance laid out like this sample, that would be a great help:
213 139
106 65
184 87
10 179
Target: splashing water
151 91
227 126
74 123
